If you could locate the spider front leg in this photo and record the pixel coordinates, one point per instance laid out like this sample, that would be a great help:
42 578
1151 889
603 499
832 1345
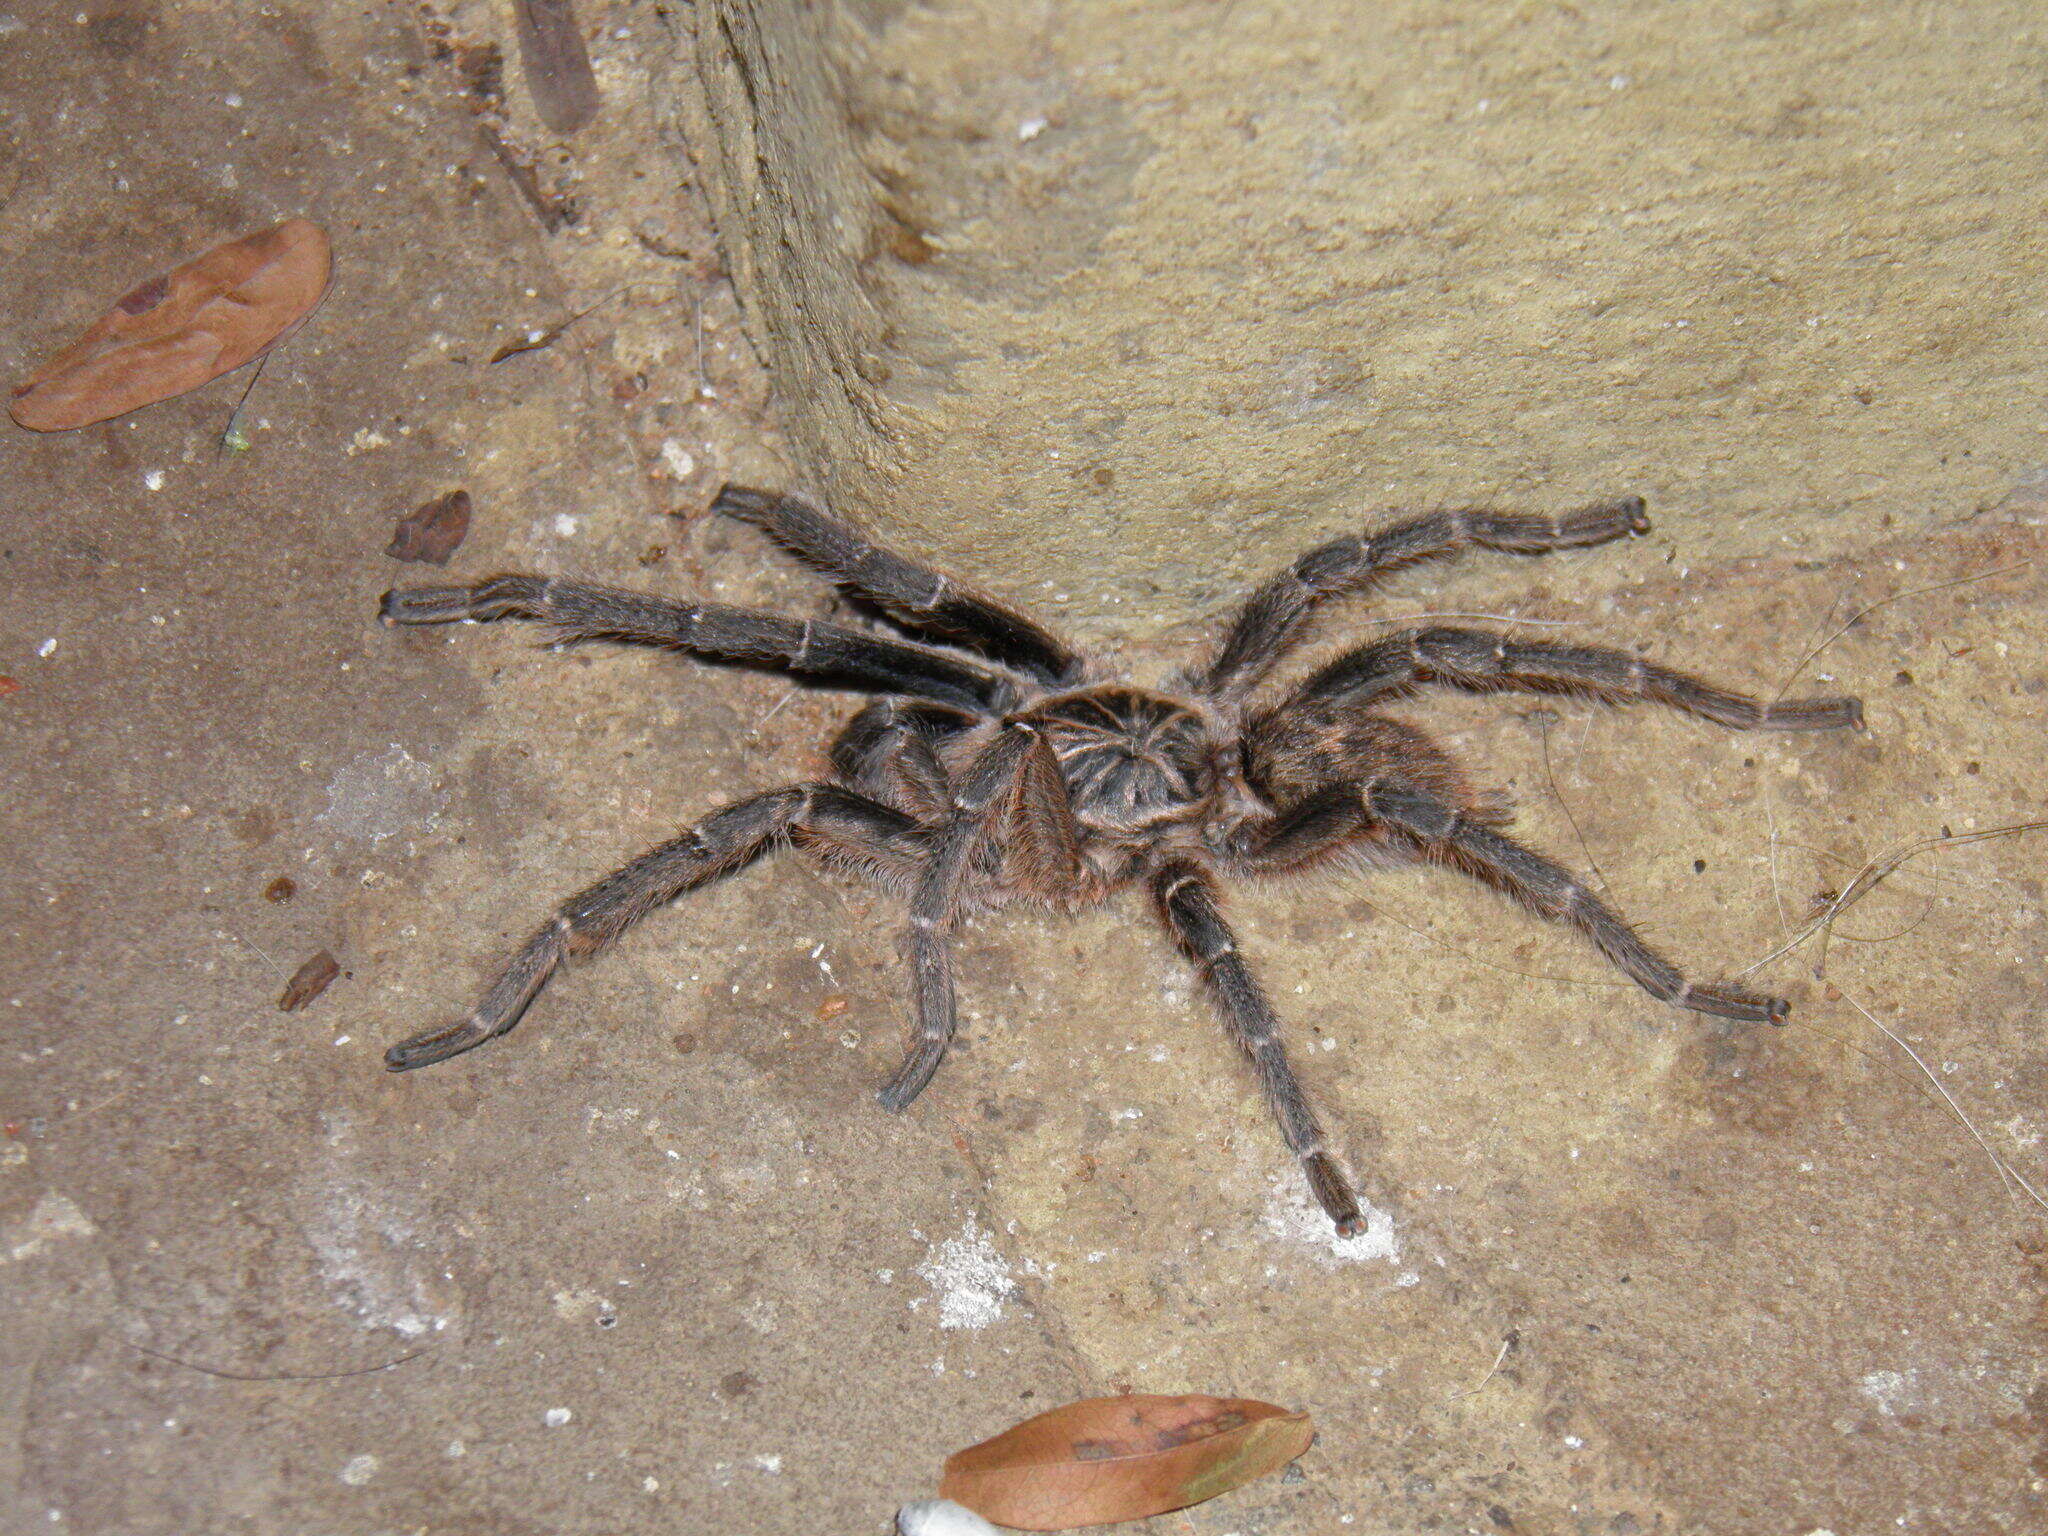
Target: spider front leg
1547 888
1349 815
984 791
1480 662
1188 903
857 829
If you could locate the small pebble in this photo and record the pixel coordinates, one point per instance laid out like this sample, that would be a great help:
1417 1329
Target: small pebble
555 1418
941 1517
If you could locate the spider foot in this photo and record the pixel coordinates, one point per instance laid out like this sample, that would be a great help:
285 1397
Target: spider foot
1333 1194
1814 715
425 605
436 1045
1735 1003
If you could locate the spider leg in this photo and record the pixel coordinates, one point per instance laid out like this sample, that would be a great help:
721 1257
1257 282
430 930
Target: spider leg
1439 831
1037 831
888 750
1480 662
978 799
832 654
836 819
1272 619
916 596
1187 901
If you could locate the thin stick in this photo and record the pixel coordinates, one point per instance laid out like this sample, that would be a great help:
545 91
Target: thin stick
1497 618
1777 890
1543 719
2005 1169
1492 1371
207 1370
281 975
231 437
1862 613
1873 875
1467 955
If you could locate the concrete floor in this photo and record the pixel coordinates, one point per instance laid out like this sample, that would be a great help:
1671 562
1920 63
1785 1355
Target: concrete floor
656 1262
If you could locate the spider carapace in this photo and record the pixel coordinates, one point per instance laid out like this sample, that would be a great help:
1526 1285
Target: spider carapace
996 765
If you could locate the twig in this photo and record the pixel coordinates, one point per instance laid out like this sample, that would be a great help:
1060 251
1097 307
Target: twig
1874 874
2005 1169
1492 965
1492 1370
1777 890
1543 719
704 388
1497 618
232 439
281 976
1862 613
208 1370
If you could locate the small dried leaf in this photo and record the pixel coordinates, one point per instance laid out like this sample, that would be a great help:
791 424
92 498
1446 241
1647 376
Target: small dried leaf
309 981
556 64
177 331
1122 1458
432 532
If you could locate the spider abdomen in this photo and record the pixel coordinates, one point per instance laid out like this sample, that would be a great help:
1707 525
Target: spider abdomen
1130 759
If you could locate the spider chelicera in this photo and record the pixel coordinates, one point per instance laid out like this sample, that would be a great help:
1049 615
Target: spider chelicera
997 765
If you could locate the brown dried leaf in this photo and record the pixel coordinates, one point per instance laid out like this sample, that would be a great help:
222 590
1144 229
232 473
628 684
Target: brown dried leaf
309 981
556 63
177 331
1122 1458
432 531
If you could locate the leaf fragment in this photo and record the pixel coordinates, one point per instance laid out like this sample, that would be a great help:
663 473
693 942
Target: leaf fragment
432 531
309 981
181 329
1105 1459
556 63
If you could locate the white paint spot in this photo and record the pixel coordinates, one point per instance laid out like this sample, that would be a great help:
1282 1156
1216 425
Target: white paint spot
941 1517
768 1463
154 479
380 795
680 461
368 1254
1030 129
360 1470
48 648
1887 1389
555 1418
54 1217
650 1484
970 1278
1293 1218
565 526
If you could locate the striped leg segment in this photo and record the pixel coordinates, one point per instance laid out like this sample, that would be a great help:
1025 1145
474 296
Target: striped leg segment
857 828
1480 662
1187 901
835 655
1546 888
1272 619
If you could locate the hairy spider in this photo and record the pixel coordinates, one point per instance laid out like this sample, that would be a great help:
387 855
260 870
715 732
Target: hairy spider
997 766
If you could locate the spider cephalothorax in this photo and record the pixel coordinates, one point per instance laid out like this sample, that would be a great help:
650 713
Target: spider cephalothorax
996 767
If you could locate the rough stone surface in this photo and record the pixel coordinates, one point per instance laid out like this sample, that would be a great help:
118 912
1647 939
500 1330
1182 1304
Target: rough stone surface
665 1264
1105 302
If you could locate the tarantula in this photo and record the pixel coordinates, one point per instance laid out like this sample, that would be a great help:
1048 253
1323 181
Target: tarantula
998 766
